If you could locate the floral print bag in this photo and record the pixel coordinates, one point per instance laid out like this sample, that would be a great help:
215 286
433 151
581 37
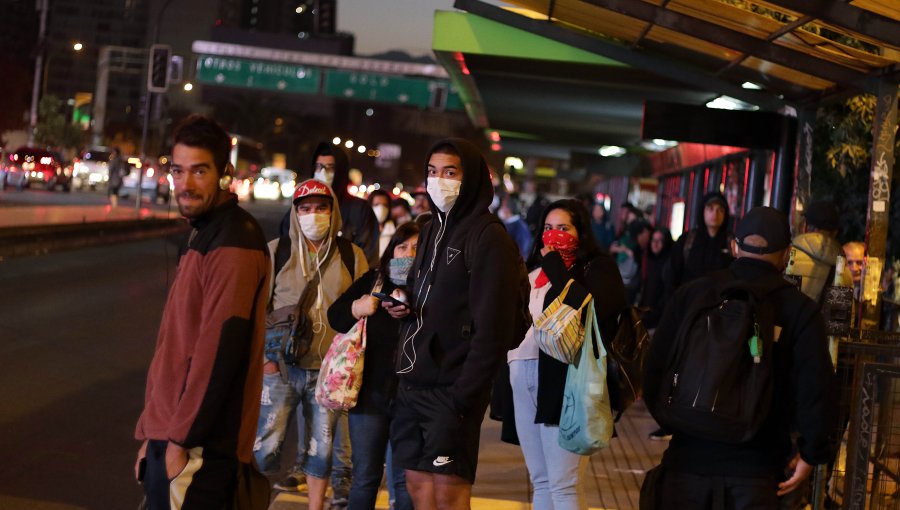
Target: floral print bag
341 374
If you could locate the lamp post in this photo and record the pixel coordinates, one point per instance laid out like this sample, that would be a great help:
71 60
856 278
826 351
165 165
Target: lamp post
43 6
148 104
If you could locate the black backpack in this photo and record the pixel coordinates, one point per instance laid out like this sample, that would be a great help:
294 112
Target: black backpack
625 360
522 294
719 379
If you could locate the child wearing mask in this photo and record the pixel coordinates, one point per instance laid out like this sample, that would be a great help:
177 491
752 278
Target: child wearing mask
564 250
312 252
371 417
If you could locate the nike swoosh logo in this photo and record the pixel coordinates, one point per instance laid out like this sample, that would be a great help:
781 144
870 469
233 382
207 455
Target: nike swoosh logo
441 462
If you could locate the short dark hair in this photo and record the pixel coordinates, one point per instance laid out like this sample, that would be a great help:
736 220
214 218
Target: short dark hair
400 202
379 193
402 233
445 148
202 132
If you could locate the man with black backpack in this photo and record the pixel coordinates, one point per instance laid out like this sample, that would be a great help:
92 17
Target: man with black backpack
313 266
739 362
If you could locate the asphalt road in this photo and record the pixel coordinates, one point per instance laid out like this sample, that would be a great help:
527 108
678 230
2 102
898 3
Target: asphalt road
77 332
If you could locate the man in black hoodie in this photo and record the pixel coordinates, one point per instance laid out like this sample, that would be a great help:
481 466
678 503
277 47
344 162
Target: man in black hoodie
332 166
700 251
463 321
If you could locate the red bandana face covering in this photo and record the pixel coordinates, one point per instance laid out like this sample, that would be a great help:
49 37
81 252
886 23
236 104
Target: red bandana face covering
562 242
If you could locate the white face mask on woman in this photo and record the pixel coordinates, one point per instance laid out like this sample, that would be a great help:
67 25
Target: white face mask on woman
315 226
381 212
326 176
444 192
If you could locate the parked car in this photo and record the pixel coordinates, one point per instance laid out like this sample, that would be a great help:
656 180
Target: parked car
274 184
91 168
29 165
156 184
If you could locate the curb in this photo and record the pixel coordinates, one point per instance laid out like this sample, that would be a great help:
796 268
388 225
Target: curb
43 239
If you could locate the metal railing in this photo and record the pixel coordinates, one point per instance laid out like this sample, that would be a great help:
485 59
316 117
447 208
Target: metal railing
866 471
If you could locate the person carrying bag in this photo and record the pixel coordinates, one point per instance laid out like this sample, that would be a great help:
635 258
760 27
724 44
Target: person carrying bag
559 330
586 423
341 374
575 286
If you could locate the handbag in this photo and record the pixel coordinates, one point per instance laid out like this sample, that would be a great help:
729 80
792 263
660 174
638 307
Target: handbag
586 421
625 364
340 376
559 331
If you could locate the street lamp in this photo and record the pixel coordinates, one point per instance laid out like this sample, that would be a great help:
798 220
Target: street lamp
77 46
188 87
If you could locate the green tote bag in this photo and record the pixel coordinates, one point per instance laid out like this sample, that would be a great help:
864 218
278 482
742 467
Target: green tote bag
586 422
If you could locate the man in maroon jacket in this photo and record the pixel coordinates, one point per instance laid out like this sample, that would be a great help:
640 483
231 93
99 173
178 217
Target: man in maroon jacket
202 399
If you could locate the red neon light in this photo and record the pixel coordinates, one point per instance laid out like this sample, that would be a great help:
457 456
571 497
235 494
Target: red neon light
461 60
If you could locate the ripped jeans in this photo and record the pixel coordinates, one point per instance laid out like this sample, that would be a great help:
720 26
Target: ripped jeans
277 402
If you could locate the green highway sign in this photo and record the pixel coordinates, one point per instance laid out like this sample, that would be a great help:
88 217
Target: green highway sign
421 92
257 74
304 79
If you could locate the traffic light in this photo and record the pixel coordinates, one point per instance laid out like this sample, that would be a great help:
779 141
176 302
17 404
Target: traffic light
158 71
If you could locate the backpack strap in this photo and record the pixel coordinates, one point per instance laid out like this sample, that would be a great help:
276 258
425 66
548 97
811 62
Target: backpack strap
345 248
475 230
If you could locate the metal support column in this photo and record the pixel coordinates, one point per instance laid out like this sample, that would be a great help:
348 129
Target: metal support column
756 181
785 163
100 92
883 137
697 192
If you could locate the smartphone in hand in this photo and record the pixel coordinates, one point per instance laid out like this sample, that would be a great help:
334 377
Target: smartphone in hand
390 299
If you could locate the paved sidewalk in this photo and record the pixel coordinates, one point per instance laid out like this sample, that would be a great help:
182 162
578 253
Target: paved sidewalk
613 478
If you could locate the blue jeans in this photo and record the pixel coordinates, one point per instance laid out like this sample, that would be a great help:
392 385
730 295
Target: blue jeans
369 434
340 453
277 402
556 474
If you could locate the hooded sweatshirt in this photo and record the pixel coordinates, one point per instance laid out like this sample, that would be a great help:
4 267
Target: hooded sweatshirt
814 256
706 254
359 223
464 310
300 268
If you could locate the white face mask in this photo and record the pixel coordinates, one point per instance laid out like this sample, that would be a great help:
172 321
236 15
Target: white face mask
381 212
444 192
325 176
315 226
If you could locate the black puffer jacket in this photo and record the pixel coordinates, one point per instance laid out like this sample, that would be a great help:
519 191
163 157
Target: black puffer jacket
464 309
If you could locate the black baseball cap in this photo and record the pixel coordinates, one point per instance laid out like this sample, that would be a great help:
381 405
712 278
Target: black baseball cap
822 215
768 223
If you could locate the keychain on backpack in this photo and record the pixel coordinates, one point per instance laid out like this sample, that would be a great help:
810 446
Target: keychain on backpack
755 344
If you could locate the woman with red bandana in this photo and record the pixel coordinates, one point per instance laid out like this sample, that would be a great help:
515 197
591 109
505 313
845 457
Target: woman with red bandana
564 250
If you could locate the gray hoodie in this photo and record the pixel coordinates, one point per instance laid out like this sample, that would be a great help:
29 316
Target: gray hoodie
813 257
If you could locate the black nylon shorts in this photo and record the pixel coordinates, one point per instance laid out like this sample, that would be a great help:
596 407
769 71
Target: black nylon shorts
428 434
